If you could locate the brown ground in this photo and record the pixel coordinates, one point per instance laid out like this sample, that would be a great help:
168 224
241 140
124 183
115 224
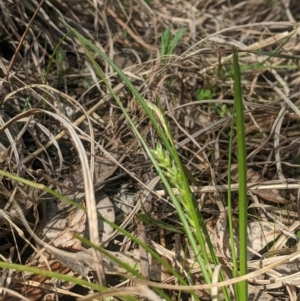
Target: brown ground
35 85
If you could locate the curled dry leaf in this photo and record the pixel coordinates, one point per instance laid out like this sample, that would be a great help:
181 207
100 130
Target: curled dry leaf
36 286
106 210
127 198
271 195
260 234
62 222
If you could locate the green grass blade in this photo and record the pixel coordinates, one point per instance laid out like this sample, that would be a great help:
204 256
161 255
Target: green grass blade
242 175
54 54
165 42
50 274
42 187
175 40
230 209
59 276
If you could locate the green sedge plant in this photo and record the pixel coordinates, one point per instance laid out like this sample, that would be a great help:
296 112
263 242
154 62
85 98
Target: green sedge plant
88 47
166 161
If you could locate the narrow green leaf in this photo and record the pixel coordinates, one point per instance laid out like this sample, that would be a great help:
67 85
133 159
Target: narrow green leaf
165 41
175 40
242 174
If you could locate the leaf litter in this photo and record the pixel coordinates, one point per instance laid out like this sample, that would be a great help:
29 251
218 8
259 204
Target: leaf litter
39 147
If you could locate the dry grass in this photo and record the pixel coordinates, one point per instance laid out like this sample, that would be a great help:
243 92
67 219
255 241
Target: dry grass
37 146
